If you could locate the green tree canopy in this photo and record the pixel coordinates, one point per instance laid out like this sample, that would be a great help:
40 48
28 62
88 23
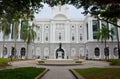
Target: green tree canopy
109 10
19 8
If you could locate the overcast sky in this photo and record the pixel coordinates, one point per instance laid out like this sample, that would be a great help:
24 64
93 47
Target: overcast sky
46 12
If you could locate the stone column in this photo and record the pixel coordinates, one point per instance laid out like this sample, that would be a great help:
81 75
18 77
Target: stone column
19 30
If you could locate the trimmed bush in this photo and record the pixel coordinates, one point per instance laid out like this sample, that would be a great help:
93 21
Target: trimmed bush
78 61
41 61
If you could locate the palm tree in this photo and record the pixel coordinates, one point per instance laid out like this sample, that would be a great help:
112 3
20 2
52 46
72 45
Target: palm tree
15 33
29 34
104 34
5 27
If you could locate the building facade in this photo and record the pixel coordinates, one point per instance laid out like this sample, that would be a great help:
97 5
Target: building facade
61 37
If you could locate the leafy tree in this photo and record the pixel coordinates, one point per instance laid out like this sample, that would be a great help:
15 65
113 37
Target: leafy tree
21 7
5 27
15 33
104 34
29 34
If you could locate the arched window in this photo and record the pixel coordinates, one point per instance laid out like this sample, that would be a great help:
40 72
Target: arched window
73 52
81 37
59 36
97 51
46 38
73 37
5 51
115 51
46 52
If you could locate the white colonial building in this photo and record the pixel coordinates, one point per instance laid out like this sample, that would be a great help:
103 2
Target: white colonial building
61 37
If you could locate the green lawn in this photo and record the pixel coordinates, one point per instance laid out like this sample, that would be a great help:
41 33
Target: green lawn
4 61
99 73
21 73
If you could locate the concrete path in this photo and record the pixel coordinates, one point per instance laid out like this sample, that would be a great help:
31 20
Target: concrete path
59 72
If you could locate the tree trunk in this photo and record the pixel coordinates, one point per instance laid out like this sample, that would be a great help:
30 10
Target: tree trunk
118 42
105 50
15 48
27 51
3 48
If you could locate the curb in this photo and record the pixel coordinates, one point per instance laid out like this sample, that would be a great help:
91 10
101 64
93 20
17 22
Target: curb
77 76
76 64
42 74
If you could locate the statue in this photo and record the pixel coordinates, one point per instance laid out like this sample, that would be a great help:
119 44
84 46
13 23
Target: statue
60 45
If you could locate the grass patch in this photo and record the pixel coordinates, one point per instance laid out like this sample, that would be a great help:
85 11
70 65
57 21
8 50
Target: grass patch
4 61
21 73
99 73
114 62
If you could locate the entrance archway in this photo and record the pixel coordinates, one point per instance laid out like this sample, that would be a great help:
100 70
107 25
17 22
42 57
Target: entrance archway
60 52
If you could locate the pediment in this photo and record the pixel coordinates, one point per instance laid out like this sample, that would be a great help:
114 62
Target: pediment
59 17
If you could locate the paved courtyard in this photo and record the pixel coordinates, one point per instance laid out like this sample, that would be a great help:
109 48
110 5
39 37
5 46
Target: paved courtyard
59 72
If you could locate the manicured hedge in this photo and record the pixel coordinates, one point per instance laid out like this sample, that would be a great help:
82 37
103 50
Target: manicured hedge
21 73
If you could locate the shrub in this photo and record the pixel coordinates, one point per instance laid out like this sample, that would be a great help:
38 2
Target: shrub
4 61
78 61
41 61
114 62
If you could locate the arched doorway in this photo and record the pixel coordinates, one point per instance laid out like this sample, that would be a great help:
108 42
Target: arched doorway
60 52
22 52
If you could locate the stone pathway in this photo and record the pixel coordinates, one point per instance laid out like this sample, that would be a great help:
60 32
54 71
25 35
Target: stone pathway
58 73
